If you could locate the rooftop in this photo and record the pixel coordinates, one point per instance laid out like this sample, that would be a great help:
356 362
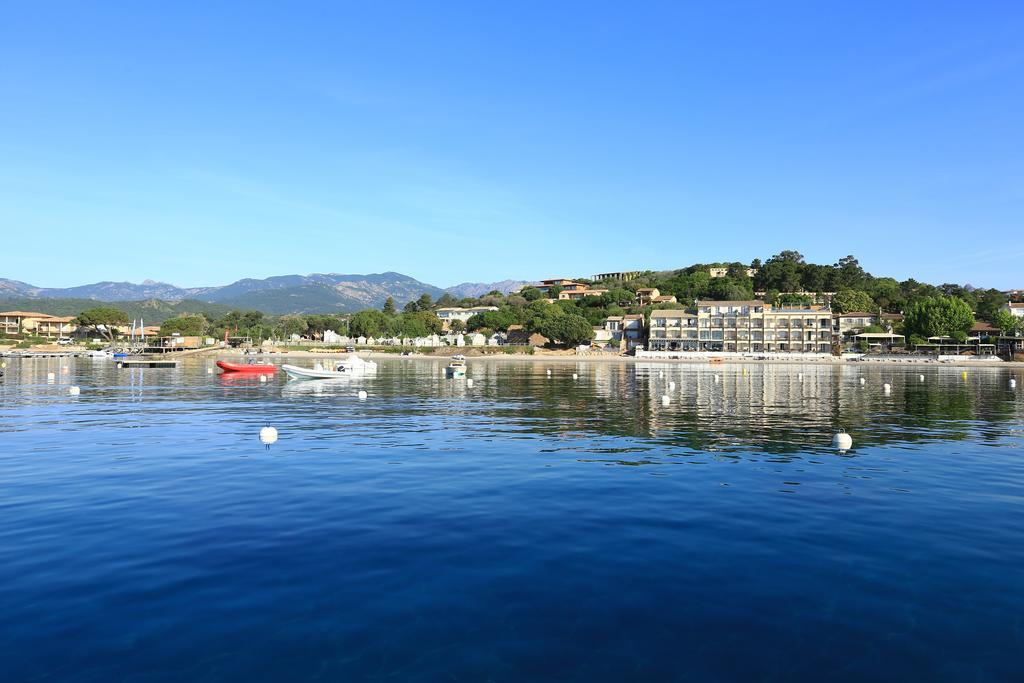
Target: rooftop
25 314
754 302
672 313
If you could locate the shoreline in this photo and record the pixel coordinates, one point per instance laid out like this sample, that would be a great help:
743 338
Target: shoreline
615 359
564 358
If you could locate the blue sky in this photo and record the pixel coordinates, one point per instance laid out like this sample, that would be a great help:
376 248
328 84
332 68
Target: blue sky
198 143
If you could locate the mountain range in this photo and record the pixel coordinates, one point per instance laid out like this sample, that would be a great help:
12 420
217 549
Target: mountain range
314 293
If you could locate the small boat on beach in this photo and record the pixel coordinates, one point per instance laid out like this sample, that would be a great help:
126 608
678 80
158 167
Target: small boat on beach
258 368
351 366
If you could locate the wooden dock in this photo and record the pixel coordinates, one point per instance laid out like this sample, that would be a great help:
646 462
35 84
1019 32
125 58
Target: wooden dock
146 363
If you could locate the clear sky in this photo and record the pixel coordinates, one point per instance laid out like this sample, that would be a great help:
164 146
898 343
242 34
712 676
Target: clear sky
198 143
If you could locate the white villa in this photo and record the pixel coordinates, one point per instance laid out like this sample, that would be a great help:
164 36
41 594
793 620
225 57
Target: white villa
464 314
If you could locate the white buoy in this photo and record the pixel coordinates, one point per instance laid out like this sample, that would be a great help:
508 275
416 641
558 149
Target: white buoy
661 375
665 400
3 365
800 376
842 440
469 382
209 371
268 435
920 378
50 376
887 387
575 376
716 379
362 395
1013 383
862 380
263 378
74 391
671 386
549 373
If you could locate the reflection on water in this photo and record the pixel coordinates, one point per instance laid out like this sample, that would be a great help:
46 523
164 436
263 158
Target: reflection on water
531 527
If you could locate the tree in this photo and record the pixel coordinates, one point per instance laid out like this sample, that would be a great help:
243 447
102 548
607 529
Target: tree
887 294
731 289
849 273
850 300
618 297
554 291
102 319
531 293
185 325
252 319
1007 322
389 306
495 320
425 302
782 272
368 323
316 325
989 303
938 316
570 329
446 301
457 326
416 324
292 324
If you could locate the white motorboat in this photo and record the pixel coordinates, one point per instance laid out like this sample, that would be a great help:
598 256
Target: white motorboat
351 366
295 372
455 369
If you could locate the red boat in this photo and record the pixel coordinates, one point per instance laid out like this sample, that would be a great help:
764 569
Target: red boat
257 368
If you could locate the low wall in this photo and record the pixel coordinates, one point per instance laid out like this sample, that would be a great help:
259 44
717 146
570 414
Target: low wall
734 355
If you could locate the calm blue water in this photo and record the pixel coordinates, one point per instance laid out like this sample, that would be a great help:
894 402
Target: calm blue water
527 529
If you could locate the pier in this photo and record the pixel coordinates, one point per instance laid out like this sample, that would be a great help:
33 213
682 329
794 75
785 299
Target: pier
147 363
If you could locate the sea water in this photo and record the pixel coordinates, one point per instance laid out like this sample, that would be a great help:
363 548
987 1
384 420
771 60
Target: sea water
530 528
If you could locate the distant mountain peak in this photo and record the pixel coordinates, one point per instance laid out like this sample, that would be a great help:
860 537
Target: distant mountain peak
477 289
313 293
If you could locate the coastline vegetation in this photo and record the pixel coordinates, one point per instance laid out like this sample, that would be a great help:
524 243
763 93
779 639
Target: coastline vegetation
784 279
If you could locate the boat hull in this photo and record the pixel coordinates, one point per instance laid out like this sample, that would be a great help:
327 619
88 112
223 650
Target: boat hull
259 369
295 372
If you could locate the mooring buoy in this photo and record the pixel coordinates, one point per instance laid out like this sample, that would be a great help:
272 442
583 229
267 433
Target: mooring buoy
842 440
268 435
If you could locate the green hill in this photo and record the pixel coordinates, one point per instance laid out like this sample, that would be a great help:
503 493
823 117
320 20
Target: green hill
152 311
